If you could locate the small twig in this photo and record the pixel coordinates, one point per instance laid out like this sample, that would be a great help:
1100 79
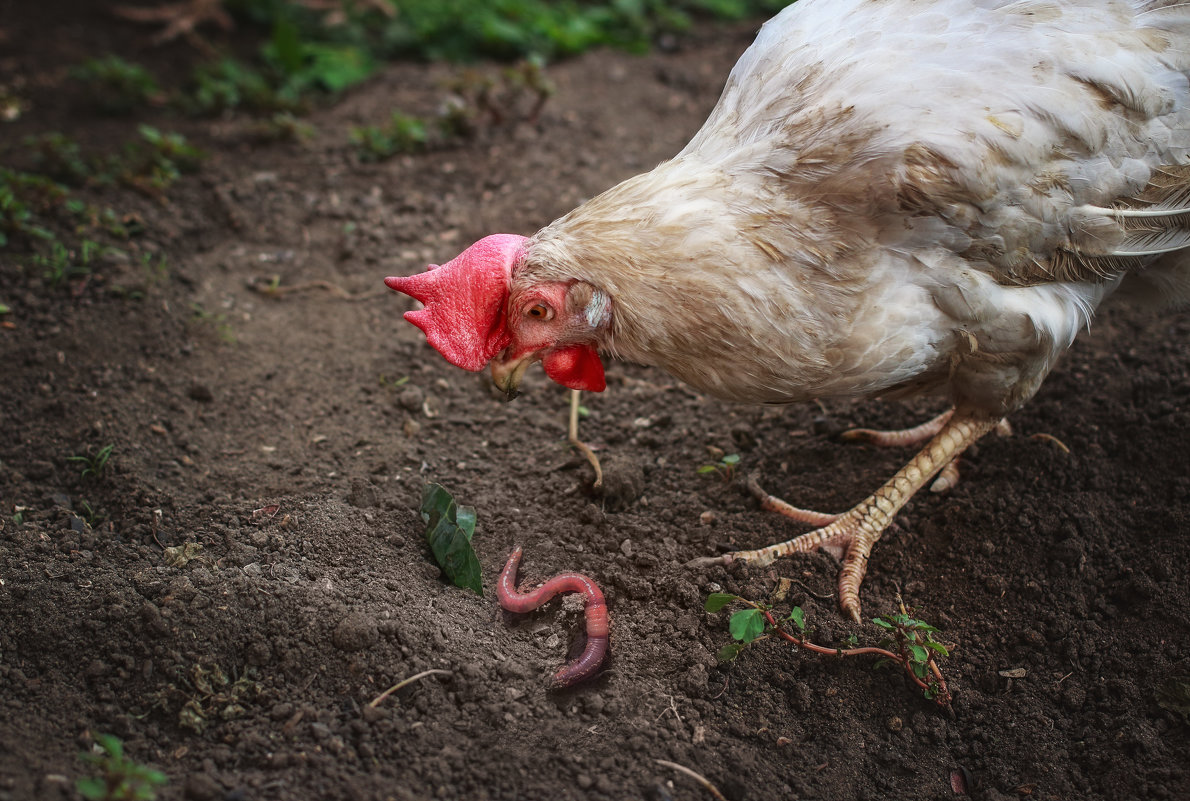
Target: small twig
405 683
698 777
811 592
572 436
901 659
673 707
1052 439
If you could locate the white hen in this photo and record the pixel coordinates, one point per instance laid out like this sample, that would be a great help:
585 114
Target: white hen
891 197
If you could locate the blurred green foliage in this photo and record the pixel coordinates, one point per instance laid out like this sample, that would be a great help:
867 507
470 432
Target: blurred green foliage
467 30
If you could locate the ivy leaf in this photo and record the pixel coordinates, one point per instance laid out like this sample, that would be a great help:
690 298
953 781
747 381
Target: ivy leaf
746 625
449 529
718 600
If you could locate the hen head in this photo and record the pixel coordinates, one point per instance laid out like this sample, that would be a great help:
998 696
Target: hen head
475 313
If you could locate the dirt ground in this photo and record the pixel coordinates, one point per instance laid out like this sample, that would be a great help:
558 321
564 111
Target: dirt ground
291 438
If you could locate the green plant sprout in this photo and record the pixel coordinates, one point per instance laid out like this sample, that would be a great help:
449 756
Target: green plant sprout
155 267
122 779
117 86
283 126
401 134
218 321
726 466
93 465
912 639
93 517
24 199
63 264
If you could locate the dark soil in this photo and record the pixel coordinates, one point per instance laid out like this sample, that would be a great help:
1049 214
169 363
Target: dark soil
246 670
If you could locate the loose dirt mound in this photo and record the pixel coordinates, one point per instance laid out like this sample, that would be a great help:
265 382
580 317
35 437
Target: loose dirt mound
296 454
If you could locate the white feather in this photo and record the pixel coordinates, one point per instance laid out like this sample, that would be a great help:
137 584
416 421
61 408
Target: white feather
901 195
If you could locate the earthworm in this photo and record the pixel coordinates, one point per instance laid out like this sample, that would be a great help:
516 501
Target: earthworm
596 615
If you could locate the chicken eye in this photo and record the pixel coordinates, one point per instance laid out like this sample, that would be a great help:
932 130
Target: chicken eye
540 311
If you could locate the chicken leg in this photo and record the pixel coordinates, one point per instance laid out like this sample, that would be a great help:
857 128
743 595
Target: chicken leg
852 534
948 476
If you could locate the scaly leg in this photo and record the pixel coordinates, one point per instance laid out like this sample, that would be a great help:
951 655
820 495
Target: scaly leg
853 533
948 477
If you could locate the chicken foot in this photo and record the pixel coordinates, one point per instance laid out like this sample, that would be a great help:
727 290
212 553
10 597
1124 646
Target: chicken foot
852 534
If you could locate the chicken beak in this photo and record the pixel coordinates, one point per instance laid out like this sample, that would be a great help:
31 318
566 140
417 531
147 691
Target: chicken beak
507 373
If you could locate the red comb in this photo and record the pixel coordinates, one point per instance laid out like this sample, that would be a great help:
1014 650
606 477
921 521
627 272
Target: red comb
463 318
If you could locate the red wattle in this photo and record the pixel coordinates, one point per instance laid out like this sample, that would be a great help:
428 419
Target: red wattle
576 367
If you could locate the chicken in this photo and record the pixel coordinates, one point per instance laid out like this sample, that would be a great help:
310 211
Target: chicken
891 198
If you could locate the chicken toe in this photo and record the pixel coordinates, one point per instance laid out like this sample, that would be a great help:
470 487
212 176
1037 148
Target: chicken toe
904 436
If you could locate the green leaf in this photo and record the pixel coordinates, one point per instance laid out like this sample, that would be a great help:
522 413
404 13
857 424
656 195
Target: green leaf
110 743
718 600
449 529
4 309
337 67
937 647
92 789
918 654
731 459
747 624
1174 695
465 516
729 652
798 617
287 46
707 468
884 624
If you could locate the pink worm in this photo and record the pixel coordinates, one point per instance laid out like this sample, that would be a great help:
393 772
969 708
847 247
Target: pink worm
597 621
